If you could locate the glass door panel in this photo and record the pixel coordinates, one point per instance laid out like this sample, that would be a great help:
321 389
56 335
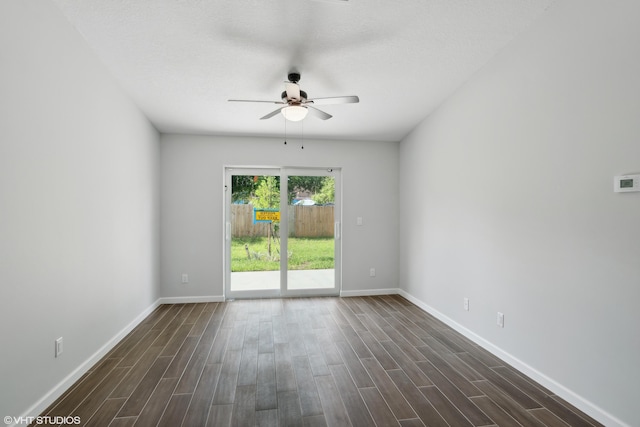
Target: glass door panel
311 243
253 233
313 227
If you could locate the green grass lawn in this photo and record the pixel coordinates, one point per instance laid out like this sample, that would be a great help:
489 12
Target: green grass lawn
304 254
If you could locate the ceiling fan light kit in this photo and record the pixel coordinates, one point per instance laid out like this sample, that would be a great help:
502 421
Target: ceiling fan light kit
296 103
294 113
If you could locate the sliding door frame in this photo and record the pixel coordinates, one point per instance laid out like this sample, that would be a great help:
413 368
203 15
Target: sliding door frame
283 173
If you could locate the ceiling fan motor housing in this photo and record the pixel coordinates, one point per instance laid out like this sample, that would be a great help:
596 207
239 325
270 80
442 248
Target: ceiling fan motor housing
303 96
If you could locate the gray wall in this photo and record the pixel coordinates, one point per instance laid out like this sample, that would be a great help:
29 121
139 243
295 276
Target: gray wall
518 209
78 204
192 206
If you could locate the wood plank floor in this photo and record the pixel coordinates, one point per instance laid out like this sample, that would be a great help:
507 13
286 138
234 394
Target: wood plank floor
361 361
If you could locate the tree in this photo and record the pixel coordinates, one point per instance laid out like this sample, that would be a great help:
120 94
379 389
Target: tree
327 193
312 184
267 194
242 187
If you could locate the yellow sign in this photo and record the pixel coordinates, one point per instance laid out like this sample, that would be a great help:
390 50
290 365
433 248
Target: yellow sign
267 216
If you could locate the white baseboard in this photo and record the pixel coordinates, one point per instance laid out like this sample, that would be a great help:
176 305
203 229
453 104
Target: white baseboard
188 300
74 376
576 400
370 292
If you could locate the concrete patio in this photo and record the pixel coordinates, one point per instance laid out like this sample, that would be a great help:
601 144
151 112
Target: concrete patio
297 279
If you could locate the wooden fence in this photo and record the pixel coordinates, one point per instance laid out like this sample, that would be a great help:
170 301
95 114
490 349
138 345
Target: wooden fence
304 221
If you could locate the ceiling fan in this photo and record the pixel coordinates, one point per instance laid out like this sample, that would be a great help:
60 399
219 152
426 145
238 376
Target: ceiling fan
297 105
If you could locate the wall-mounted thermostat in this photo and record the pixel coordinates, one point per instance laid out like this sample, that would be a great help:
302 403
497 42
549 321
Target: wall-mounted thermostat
626 183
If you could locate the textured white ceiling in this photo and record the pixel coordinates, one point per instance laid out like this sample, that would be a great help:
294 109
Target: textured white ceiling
181 60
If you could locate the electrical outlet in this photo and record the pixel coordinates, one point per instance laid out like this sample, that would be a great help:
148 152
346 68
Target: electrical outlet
58 347
466 304
359 220
185 278
500 320
372 272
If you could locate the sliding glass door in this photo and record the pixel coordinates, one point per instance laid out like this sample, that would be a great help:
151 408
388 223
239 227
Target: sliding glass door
282 232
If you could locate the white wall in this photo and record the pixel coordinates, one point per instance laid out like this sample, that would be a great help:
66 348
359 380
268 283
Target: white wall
78 205
518 209
192 206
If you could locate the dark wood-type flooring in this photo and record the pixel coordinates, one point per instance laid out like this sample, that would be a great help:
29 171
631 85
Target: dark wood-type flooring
361 361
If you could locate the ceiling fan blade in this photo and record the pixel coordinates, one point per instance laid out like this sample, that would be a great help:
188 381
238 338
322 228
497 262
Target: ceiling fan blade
293 90
318 113
271 114
250 100
335 100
